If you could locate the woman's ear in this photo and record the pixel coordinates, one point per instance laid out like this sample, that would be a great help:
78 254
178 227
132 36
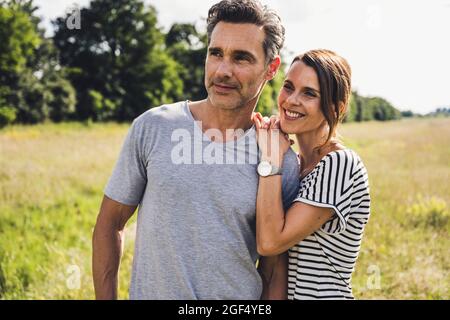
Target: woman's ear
273 67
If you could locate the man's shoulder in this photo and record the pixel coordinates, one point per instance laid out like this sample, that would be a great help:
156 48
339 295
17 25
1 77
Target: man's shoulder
291 170
165 113
291 161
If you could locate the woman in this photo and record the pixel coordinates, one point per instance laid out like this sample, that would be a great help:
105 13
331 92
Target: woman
323 228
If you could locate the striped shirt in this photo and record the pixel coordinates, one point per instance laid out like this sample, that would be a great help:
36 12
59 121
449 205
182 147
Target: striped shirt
321 265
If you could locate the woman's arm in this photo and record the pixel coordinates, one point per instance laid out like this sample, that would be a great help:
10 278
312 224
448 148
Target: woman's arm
277 231
274 273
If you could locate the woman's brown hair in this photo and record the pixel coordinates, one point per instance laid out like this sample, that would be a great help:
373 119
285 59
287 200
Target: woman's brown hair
334 75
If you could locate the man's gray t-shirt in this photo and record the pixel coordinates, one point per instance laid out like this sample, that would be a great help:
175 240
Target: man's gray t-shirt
196 222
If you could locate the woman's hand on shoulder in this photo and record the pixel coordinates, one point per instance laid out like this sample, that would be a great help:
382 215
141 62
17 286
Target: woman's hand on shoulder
272 141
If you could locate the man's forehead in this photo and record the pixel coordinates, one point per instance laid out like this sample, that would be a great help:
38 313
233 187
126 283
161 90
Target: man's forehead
238 37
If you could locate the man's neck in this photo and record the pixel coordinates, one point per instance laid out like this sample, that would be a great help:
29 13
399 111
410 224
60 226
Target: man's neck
213 117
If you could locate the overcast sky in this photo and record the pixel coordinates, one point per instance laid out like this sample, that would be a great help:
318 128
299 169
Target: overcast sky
398 49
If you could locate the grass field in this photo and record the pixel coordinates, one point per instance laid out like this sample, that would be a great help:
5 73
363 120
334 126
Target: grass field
52 177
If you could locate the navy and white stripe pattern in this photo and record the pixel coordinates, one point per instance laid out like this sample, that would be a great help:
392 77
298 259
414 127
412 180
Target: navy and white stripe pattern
321 266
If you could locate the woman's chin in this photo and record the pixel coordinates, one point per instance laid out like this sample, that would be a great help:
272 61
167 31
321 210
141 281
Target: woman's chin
286 128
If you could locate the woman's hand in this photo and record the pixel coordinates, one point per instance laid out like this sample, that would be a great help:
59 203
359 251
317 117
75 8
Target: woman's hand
273 143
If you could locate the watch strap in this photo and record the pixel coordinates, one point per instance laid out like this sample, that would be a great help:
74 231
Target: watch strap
276 170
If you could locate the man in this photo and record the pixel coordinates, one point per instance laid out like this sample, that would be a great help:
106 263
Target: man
196 224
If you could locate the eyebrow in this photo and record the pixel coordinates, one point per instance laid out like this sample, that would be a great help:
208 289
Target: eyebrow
244 53
214 49
312 89
306 88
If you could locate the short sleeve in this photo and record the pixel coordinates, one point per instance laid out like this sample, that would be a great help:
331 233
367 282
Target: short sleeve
290 180
331 185
129 178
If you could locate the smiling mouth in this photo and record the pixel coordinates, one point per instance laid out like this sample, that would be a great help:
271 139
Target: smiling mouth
291 115
223 87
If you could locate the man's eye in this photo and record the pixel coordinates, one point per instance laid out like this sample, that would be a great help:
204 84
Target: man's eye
242 58
214 53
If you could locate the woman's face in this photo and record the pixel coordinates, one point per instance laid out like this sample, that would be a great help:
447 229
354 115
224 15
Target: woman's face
299 100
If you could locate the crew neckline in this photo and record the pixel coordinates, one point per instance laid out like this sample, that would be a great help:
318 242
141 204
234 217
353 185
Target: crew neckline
205 137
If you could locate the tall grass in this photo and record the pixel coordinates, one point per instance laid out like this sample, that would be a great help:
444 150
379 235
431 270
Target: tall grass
52 177
405 252
51 182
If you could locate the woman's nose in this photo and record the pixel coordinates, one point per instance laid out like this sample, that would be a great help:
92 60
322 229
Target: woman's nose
293 100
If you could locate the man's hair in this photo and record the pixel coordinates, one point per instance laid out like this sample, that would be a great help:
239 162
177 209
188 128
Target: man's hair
250 11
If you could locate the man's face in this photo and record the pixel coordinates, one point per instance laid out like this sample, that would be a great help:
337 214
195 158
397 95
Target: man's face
235 68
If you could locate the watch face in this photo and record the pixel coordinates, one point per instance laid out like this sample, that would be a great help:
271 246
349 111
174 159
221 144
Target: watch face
264 168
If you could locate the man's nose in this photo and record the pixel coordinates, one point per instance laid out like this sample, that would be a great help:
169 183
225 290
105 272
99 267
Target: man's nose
224 69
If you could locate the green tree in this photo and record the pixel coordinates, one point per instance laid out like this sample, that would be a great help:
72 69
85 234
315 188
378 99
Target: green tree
188 47
19 40
407 114
352 109
7 113
31 81
119 54
381 109
370 108
268 101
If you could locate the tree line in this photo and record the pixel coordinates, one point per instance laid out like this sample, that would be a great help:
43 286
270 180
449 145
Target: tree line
118 64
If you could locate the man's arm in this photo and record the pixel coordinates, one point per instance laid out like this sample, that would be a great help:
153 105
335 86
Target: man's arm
274 273
107 246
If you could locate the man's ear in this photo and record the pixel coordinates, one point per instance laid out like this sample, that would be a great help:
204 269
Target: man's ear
273 67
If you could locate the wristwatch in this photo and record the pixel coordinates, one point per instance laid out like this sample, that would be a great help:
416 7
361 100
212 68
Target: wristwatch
265 169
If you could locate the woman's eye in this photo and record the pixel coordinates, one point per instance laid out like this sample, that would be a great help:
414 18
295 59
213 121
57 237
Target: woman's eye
287 87
310 94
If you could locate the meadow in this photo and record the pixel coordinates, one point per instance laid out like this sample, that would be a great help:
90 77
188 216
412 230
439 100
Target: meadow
52 177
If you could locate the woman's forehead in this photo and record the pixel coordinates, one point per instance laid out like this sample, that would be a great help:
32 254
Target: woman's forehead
303 75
